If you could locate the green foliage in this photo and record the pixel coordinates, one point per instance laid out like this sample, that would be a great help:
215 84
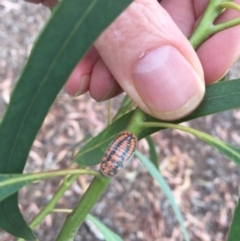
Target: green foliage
234 233
152 152
12 220
104 230
166 190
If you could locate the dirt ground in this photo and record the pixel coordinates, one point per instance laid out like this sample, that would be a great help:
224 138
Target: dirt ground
204 183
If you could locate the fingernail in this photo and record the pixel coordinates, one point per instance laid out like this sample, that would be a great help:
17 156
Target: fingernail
167 83
112 90
222 77
83 87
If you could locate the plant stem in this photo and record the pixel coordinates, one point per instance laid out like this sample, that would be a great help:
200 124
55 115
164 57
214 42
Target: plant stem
50 206
204 28
135 124
44 175
222 26
169 125
230 5
203 136
76 218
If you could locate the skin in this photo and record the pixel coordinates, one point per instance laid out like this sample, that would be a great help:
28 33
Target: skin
145 52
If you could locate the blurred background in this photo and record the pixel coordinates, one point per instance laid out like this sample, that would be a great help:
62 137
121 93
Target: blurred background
204 183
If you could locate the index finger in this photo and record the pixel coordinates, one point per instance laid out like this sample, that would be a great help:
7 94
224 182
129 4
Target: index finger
46 3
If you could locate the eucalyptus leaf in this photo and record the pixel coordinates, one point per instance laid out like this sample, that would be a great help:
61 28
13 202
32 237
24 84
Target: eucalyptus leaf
9 217
152 152
166 190
68 35
234 233
108 234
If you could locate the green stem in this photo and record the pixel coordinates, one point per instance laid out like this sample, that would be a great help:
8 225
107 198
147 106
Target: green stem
230 5
50 206
44 175
203 136
204 28
135 124
222 26
76 218
170 125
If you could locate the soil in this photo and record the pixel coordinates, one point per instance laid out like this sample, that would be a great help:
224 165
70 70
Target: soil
204 183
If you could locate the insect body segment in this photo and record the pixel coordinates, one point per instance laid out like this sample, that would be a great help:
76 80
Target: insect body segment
119 152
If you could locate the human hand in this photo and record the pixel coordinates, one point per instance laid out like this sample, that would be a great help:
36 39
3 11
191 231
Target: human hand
145 52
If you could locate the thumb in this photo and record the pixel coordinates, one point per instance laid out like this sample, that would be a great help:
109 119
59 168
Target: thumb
153 61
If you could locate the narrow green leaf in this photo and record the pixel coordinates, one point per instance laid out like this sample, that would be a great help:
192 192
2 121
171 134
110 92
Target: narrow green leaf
219 97
11 183
70 32
234 233
153 152
108 234
166 190
126 106
8 220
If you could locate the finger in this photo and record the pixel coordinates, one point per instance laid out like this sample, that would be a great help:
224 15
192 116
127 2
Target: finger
199 7
217 57
103 86
182 13
78 82
46 3
222 50
153 61
49 3
33 1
